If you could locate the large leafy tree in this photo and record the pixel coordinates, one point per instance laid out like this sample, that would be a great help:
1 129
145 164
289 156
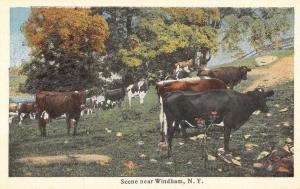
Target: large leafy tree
66 47
148 41
256 26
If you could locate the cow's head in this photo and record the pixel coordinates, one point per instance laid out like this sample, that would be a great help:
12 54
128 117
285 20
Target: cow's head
243 71
79 99
260 98
187 69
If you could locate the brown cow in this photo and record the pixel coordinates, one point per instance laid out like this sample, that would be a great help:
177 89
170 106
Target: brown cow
55 104
190 84
185 63
230 75
13 107
26 109
13 112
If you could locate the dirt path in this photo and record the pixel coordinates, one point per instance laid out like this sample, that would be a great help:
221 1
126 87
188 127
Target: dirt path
275 74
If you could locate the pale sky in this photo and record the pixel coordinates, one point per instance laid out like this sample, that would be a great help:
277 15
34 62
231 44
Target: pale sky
18 47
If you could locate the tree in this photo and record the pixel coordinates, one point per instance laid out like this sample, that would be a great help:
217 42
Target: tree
256 26
66 44
162 37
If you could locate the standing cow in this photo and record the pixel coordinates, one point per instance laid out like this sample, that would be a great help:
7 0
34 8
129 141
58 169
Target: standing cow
226 105
54 104
180 73
137 90
26 109
90 105
191 84
230 75
115 95
13 113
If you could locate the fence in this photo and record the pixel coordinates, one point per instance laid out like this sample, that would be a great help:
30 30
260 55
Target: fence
22 99
283 44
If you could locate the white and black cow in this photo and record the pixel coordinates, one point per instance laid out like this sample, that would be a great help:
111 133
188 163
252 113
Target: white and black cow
138 89
180 73
90 104
213 106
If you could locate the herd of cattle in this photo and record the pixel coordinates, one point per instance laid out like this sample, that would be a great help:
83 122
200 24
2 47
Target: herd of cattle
185 102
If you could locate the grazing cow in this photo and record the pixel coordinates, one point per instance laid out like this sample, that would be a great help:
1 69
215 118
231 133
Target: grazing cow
13 113
115 95
13 107
213 106
138 89
54 104
192 84
180 73
26 109
90 105
230 75
108 104
183 64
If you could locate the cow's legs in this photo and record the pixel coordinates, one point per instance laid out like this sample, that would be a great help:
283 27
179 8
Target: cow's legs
41 126
227 131
21 118
165 128
129 95
161 121
75 123
142 96
42 122
182 129
171 130
231 85
68 123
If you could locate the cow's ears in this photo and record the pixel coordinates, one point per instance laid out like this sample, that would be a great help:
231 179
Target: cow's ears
269 93
248 69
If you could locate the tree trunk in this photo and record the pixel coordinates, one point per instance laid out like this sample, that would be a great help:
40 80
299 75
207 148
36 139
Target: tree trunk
277 41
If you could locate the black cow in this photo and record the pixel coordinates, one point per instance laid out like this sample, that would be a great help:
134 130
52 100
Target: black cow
230 75
226 105
115 95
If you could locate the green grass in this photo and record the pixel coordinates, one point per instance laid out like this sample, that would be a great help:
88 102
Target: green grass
140 124
14 83
15 79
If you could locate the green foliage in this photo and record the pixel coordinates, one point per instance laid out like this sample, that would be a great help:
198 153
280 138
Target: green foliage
16 81
156 40
256 26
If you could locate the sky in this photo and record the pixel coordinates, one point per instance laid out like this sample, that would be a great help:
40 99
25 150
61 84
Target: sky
18 49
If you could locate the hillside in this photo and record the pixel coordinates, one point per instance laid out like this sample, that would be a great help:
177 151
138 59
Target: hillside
275 74
99 134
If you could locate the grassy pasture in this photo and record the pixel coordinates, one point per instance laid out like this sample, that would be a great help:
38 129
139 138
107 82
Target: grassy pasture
140 124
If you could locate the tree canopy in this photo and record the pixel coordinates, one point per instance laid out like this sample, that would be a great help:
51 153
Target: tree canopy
66 44
256 26
156 35
71 47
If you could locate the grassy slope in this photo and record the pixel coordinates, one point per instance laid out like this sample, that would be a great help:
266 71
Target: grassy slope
140 123
14 81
